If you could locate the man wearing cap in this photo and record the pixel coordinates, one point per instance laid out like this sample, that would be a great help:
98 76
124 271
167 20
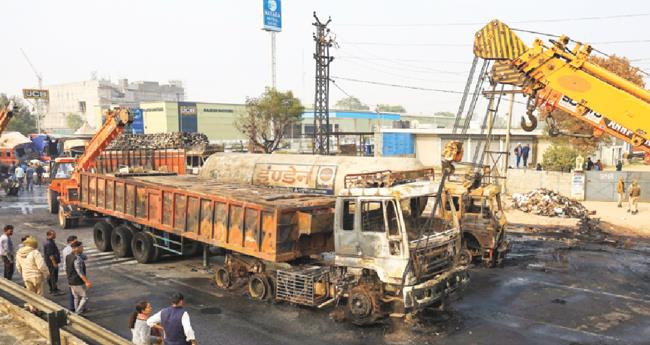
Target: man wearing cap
175 321
31 265
635 193
620 190
75 269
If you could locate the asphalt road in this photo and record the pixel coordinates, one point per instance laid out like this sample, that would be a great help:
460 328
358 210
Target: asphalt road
554 288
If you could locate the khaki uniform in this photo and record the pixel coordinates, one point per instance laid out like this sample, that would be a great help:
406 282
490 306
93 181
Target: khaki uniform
31 265
635 193
620 189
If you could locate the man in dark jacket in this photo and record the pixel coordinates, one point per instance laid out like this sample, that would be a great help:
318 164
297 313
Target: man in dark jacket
52 260
75 269
176 322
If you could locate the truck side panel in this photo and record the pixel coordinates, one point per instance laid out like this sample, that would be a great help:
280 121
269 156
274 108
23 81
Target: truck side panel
260 231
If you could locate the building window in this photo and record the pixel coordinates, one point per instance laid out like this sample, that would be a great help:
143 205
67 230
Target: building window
82 107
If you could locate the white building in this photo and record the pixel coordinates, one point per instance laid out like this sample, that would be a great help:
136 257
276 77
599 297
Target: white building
91 97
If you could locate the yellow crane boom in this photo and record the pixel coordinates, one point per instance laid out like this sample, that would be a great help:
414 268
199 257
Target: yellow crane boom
559 77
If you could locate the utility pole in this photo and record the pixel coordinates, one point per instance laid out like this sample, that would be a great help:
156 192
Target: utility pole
273 66
506 160
323 59
38 102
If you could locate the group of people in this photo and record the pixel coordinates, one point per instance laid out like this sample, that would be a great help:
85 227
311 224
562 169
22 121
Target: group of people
634 193
27 174
36 268
596 166
171 324
521 154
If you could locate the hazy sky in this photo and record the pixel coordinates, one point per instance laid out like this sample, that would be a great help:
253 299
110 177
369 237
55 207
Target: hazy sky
217 48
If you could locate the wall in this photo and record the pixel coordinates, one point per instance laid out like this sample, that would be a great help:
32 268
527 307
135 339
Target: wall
601 185
525 180
156 117
217 120
428 149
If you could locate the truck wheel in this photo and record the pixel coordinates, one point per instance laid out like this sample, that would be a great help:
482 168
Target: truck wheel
465 257
361 307
121 241
258 287
222 278
53 201
143 248
65 222
102 236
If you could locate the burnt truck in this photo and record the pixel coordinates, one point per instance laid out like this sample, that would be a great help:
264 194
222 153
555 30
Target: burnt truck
369 251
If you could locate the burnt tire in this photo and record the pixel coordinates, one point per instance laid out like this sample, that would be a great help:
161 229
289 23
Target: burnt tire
143 247
465 258
102 232
222 278
361 307
52 201
259 288
121 241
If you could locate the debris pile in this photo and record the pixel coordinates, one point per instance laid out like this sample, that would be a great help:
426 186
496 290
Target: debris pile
157 141
549 203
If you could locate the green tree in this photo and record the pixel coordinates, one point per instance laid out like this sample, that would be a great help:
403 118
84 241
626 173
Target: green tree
351 103
268 117
391 108
74 121
23 120
560 157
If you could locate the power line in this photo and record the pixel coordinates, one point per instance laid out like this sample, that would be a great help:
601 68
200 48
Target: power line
551 20
387 69
401 44
339 87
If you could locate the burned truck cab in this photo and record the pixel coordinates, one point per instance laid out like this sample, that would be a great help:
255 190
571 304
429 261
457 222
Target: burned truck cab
395 260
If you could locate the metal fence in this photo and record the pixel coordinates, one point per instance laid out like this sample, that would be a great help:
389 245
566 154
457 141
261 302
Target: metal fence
58 317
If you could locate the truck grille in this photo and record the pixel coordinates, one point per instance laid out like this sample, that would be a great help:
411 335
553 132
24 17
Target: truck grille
303 285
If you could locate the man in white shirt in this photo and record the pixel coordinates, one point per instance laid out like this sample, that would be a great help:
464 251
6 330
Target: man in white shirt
175 321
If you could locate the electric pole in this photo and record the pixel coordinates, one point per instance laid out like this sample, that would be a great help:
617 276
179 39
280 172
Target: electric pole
38 105
323 59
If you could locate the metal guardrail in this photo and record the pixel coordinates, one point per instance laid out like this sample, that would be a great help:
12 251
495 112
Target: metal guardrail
58 317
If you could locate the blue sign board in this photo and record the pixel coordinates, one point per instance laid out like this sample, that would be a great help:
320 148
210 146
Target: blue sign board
137 126
272 15
398 144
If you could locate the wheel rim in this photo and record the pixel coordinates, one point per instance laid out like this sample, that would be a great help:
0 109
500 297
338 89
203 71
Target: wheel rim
257 288
222 278
360 304
465 257
139 246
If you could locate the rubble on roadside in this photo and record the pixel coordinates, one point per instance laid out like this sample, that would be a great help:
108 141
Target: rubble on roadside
548 203
157 141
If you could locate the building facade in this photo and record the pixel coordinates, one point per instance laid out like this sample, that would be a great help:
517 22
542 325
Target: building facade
91 98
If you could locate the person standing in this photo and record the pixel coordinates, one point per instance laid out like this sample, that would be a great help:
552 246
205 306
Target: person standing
52 259
31 265
140 330
39 174
590 164
518 154
620 190
175 321
635 193
619 165
75 269
525 151
19 175
7 251
29 178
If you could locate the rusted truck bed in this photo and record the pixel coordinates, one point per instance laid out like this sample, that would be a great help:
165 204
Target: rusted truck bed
265 223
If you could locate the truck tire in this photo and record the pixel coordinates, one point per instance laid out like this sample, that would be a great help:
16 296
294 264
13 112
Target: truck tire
222 277
362 306
121 241
102 232
66 222
143 247
52 201
259 288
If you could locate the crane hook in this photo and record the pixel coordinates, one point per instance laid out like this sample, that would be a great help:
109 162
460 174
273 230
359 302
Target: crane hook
533 123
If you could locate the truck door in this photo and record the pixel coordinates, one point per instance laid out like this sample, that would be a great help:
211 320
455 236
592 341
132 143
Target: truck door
346 227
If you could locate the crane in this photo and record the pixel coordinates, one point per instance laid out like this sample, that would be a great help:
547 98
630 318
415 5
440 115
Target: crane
557 77
39 76
5 115
65 174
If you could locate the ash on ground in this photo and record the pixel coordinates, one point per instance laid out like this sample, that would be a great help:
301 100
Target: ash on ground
548 203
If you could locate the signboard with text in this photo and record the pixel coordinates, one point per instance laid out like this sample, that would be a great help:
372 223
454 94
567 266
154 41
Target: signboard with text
36 94
297 177
272 15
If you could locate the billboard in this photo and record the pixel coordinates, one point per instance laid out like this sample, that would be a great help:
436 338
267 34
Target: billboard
187 121
272 15
36 94
137 126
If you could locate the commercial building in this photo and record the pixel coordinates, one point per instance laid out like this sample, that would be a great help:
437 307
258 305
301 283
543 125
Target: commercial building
90 98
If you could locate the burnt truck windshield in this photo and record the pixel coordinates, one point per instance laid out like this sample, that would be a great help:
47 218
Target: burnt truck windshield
416 212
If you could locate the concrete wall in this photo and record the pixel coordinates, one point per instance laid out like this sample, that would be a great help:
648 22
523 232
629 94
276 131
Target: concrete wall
525 180
217 121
